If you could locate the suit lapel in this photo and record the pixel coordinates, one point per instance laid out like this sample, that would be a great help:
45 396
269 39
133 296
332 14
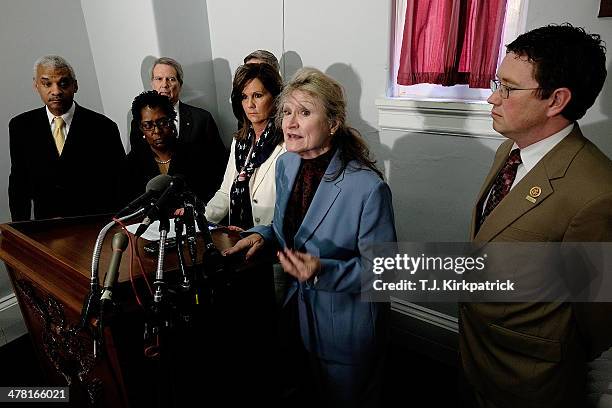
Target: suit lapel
186 120
326 194
552 166
515 204
77 129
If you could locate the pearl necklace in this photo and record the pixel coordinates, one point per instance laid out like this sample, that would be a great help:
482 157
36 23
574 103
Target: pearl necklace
163 161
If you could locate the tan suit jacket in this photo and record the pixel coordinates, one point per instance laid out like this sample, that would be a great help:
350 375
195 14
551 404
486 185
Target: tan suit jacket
535 354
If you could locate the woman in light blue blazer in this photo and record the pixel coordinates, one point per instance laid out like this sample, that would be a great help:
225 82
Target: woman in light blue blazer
331 204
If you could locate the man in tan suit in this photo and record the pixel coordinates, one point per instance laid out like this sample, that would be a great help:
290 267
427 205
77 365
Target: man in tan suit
548 183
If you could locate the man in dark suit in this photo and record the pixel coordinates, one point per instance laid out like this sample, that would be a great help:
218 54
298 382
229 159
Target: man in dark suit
548 183
197 130
66 160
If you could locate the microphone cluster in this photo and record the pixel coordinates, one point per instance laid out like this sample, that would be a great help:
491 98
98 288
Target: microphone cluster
162 196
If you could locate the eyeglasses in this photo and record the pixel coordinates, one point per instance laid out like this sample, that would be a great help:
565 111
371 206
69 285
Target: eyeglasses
161 124
504 90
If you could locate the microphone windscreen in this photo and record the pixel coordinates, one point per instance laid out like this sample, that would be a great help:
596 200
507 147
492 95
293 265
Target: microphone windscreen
159 183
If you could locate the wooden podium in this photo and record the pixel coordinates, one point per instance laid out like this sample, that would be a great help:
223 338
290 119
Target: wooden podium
224 340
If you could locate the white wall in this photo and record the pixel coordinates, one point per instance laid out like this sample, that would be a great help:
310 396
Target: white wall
121 44
346 39
126 37
237 28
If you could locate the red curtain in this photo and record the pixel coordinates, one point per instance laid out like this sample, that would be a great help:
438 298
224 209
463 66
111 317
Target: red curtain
450 42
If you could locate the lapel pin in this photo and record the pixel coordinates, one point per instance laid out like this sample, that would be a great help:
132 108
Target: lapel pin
535 192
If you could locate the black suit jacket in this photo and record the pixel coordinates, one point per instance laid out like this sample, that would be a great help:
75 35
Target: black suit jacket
198 126
83 180
202 176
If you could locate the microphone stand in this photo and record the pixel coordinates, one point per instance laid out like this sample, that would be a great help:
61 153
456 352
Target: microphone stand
191 232
160 323
213 260
178 229
159 283
192 245
91 304
184 289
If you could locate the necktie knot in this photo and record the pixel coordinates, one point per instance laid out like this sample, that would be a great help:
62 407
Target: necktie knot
58 133
514 159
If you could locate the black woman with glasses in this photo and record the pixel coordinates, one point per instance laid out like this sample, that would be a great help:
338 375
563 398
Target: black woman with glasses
157 150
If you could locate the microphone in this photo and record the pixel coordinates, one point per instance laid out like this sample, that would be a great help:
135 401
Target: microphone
203 225
214 261
119 244
175 186
191 232
156 185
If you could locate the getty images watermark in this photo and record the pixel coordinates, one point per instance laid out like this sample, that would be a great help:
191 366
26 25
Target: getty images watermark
413 264
495 272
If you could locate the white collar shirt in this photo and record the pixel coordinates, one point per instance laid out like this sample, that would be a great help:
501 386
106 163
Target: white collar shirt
68 116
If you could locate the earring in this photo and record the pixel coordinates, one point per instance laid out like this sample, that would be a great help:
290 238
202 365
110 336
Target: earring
144 137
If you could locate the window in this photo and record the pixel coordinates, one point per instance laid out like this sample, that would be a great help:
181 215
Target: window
514 24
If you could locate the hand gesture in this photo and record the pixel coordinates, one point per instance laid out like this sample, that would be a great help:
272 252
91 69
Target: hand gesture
253 242
302 266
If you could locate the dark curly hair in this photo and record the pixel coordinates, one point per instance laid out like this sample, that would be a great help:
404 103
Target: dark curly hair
153 100
271 80
565 56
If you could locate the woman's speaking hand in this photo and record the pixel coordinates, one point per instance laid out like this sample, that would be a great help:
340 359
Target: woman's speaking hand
253 243
302 266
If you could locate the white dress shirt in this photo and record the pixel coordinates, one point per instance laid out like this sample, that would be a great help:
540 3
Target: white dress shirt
177 121
67 120
532 154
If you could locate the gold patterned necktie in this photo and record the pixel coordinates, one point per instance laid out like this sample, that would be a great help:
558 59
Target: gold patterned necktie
58 134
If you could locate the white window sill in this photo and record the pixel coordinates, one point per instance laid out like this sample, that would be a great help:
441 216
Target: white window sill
454 118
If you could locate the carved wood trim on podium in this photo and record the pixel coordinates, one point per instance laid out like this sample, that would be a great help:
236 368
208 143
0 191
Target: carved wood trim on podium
64 346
